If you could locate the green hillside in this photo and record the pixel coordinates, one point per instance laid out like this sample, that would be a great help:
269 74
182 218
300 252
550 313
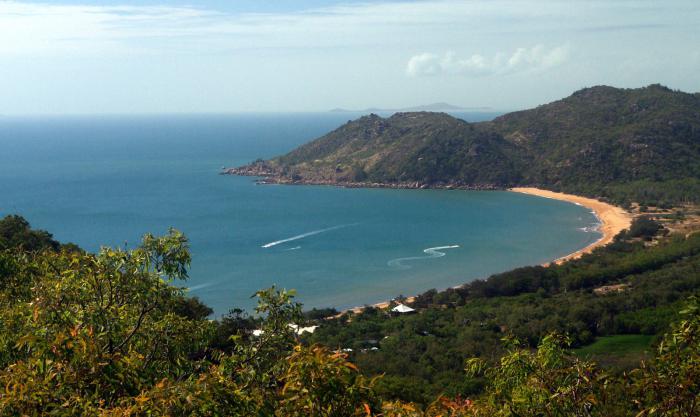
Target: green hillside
425 147
624 144
601 137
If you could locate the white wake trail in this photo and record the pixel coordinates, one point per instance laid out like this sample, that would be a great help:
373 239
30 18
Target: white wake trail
431 252
200 286
307 234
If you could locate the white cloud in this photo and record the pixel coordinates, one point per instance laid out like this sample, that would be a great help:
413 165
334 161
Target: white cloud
536 58
49 29
46 29
424 64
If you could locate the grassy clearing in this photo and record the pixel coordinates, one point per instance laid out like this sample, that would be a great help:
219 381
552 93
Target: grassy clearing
617 345
621 352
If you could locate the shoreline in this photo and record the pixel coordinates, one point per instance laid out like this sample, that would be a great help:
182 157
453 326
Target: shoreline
266 176
613 220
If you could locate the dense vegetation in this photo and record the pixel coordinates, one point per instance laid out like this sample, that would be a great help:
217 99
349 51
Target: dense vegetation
111 334
16 233
423 146
640 145
624 288
108 334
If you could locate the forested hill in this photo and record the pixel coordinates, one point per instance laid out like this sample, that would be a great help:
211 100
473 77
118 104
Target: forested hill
625 144
604 135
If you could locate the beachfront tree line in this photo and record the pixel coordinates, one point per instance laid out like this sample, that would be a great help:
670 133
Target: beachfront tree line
111 334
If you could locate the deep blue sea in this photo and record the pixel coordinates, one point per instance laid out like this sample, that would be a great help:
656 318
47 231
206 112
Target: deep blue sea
106 180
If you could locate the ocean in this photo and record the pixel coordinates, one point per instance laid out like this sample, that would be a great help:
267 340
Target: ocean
107 180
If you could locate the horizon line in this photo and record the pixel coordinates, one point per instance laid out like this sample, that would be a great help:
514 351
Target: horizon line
240 112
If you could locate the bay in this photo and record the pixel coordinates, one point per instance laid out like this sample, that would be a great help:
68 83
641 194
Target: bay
106 180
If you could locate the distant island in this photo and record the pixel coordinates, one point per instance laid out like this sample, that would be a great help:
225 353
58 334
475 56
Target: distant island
440 107
625 145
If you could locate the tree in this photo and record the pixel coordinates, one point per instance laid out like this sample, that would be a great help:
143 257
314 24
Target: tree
670 384
96 328
15 232
323 384
546 382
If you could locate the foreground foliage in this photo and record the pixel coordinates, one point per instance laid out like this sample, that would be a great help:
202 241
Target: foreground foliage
84 334
670 385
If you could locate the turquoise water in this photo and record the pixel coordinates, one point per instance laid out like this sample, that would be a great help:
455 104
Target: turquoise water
107 180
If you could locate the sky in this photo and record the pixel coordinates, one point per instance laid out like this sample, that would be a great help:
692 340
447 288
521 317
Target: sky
149 56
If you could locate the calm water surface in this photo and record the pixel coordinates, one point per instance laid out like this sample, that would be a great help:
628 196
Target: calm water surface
107 180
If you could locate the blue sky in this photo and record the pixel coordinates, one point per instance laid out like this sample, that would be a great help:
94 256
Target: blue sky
238 55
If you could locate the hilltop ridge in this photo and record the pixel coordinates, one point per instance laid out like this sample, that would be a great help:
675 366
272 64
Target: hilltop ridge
436 107
638 144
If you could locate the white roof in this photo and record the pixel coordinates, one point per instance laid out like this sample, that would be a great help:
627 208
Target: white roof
302 330
402 309
298 330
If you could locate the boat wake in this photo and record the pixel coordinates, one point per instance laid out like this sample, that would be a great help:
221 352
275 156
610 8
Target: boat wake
436 252
307 234
200 286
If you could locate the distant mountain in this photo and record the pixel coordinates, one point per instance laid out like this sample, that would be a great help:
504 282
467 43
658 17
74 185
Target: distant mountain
625 144
435 107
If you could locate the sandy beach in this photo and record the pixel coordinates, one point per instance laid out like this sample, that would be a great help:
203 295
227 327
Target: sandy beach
613 219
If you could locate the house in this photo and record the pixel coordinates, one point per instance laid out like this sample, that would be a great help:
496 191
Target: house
298 330
302 330
402 309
